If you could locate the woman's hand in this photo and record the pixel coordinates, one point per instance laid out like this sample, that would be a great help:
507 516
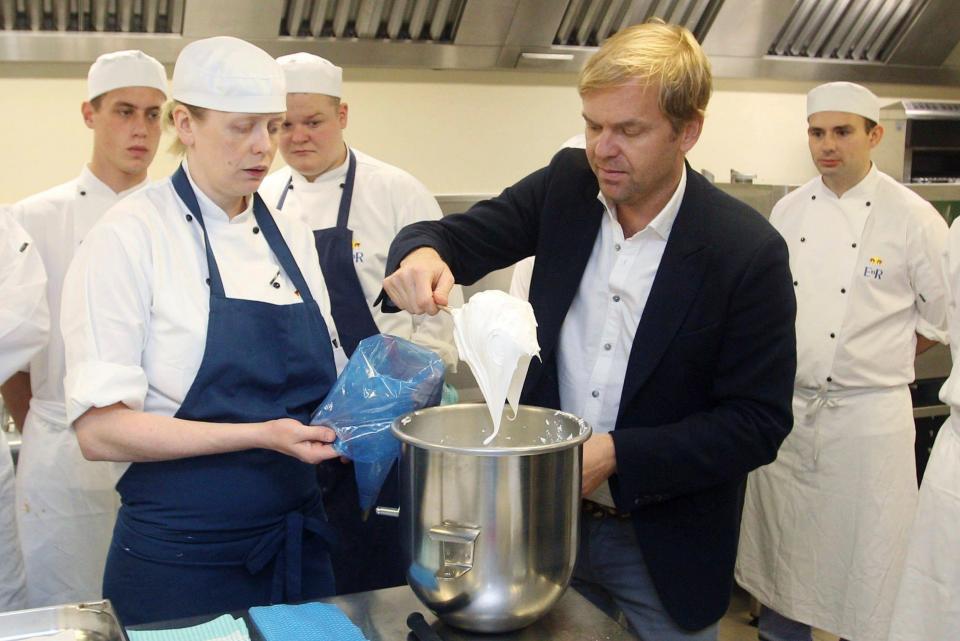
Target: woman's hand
308 443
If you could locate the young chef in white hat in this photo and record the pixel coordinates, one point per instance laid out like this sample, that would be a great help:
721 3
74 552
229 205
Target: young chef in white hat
66 506
355 205
927 606
824 526
199 341
24 324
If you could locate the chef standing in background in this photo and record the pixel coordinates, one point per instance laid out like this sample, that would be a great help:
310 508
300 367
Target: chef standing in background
928 602
24 326
825 526
66 506
355 205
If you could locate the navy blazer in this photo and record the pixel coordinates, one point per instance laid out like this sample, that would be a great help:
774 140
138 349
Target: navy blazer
709 381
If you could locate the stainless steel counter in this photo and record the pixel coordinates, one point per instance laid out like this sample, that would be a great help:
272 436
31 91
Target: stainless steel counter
382 616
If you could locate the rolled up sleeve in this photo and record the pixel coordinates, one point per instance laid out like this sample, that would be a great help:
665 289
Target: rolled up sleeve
105 317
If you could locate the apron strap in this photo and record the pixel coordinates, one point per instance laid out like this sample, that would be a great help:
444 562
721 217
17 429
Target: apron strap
182 186
286 190
279 247
284 545
346 198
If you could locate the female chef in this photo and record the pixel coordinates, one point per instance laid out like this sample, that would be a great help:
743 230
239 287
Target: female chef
198 342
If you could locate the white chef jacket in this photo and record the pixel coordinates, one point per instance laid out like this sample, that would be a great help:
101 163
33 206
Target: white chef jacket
58 220
927 608
598 331
823 534
385 199
136 304
24 316
24 323
867 276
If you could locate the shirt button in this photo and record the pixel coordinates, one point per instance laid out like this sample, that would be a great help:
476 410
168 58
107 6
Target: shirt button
595 393
617 246
256 230
189 218
607 346
616 299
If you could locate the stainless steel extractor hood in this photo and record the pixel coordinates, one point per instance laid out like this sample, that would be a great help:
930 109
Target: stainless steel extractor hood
914 41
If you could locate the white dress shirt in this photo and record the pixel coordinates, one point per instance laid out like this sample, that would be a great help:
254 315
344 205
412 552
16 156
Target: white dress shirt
385 199
24 317
136 304
58 220
598 331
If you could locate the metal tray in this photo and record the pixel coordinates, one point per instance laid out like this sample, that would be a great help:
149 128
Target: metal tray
93 621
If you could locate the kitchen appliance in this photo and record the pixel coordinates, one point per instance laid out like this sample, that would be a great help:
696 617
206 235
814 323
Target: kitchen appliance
94 621
489 532
921 141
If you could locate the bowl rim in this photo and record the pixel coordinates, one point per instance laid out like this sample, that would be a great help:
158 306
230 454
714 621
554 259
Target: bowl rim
518 450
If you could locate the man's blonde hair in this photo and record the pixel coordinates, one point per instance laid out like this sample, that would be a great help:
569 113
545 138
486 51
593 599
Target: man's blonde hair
660 54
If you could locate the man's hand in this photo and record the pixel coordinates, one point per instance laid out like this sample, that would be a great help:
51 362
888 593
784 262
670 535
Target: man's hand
421 283
599 462
309 443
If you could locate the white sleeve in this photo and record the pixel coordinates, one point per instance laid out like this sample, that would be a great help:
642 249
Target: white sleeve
927 244
24 315
520 281
416 204
105 319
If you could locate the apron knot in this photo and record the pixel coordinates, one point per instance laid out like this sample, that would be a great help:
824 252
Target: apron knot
283 544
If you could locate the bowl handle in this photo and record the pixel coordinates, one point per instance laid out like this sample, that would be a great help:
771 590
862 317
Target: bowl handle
457 544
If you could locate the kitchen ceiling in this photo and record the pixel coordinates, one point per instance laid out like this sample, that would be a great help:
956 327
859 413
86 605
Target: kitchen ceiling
908 41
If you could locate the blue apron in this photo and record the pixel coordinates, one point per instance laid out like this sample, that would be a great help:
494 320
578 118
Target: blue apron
369 558
225 532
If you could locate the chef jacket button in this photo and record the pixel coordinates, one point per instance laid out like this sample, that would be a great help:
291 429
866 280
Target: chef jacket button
342 185
276 285
829 379
832 335
208 281
813 197
595 393
803 239
617 246
854 245
83 193
843 290
868 203
256 230
189 218
607 346
795 283
616 299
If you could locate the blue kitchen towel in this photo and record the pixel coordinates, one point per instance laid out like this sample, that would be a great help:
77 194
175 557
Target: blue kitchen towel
305 622
224 628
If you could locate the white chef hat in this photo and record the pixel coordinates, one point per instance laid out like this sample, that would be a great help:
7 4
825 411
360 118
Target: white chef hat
131 68
307 73
229 74
844 96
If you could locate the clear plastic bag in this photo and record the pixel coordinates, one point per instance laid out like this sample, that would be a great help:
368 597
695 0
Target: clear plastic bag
385 378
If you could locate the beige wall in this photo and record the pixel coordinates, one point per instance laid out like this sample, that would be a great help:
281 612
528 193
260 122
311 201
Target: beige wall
459 132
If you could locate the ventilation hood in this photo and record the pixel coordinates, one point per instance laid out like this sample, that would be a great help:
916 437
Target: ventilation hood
904 41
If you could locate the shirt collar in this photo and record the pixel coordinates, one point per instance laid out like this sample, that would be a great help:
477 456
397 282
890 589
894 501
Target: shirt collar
863 190
662 223
89 183
210 210
337 174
